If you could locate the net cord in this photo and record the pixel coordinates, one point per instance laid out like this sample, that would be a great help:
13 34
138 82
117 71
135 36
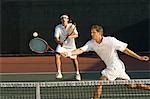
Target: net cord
74 83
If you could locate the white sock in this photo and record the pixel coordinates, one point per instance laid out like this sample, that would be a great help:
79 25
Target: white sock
59 71
77 72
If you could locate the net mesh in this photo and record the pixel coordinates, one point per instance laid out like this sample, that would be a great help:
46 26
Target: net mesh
73 90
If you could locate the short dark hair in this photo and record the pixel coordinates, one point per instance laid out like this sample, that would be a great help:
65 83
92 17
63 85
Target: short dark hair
98 28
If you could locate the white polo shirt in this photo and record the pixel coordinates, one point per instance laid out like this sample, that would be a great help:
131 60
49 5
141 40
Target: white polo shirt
61 33
107 51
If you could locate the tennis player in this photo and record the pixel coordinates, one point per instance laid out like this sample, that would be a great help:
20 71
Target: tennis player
106 48
63 31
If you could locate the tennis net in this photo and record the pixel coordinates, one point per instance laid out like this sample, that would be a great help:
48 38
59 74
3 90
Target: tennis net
73 90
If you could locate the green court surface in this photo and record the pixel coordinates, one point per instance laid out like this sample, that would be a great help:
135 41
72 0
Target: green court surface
70 91
66 76
67 92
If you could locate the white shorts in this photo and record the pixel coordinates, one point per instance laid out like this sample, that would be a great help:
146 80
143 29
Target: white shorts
60 49
113 73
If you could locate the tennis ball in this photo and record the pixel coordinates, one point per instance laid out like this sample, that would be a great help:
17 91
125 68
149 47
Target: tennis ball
35 34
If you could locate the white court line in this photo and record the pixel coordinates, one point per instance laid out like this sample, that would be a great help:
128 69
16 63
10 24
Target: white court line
137 71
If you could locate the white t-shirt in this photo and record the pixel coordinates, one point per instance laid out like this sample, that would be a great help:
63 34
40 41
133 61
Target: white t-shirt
107 51
61 33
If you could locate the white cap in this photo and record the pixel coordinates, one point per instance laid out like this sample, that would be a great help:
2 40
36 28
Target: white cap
64 16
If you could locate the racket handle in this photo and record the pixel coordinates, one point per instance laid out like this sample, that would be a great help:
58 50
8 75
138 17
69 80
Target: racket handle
66 38
51 48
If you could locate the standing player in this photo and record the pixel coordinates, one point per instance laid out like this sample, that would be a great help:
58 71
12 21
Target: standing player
106 48
63 31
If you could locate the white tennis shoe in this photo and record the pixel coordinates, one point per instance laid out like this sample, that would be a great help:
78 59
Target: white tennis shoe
78 77
59 76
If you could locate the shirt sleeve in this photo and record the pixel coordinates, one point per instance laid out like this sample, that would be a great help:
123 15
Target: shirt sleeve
119 45
57 32
87 47
75 30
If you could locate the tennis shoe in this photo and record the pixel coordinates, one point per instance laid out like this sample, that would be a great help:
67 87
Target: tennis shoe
78 77
59 76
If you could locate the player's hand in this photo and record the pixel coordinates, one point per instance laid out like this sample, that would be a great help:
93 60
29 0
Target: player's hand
144 58
64 54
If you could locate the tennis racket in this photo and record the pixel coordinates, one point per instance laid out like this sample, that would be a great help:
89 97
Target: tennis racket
39 45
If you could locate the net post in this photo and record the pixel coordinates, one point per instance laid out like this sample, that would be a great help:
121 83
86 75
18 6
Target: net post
38 95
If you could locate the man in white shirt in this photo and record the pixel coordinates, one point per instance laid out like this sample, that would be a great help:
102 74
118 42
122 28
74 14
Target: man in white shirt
63 31
106 48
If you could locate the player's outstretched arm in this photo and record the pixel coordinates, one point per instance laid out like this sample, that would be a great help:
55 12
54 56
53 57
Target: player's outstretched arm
74 52
133 54
77 51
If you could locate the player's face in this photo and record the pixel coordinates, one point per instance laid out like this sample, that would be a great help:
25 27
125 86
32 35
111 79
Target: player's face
64 20
95 35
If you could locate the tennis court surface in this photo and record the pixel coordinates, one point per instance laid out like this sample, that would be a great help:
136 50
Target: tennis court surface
34 78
